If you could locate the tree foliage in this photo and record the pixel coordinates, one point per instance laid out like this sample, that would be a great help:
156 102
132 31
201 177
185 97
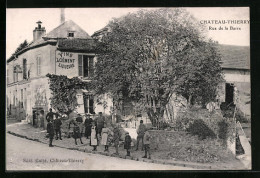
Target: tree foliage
21 46
64 91
149 55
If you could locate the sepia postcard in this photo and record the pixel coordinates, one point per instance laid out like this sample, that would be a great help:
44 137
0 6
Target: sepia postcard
128 89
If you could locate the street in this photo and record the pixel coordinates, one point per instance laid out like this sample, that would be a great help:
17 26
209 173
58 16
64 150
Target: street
23 154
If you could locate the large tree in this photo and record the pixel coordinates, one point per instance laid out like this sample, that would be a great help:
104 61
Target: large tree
147 56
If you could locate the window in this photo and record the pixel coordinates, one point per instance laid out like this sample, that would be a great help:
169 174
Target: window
88 103
24 69
71 34
21 98
86 66
16 100
25 99
38 61
15 74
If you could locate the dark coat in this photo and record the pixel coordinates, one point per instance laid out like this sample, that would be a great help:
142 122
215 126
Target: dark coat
128 140
57 123
88 126
76 131
50 129
141 130
116 136
100 120
49 116
79 119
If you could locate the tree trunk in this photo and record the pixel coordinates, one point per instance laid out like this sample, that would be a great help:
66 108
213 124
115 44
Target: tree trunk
152 116
189 101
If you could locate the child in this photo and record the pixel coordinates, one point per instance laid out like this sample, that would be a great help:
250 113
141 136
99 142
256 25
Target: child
76 132
50 131
93 137
116 138
57 125
104 140
127 144
147 144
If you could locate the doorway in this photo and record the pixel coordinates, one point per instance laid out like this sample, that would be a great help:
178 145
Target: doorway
229 93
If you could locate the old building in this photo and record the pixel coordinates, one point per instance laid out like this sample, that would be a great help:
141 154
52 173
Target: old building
66 50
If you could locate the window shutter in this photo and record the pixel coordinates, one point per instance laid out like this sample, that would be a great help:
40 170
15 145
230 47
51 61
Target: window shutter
80 65
24 69
91 105
91 66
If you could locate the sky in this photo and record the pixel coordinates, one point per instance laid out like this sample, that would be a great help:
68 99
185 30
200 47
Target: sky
20 23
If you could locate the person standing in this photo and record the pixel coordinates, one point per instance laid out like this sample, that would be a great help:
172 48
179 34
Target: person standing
88 124
140 135
104 139
93 137
116 138
41 119
71 118
127 144
50 115
147 144
100 120
50 131
80 123
76 132
57 125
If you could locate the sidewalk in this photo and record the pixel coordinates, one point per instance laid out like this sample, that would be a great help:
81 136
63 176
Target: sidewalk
27 131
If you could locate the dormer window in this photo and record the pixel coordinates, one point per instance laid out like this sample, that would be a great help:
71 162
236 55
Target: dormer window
71 34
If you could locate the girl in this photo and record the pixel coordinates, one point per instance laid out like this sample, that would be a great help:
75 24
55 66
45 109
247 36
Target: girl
93 137
104 133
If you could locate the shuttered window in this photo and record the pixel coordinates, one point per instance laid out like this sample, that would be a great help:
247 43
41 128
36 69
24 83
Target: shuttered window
24 69
86 66
80 66
38 60
88 103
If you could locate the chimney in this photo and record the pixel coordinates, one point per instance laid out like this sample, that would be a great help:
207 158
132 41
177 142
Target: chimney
39 31
62 15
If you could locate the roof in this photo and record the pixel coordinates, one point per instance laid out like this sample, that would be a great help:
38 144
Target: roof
57 34
62 31
235 57
77 44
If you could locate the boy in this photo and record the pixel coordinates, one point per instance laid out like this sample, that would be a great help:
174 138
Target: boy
50 130
127 144
76 132
147 144
57 124
116 138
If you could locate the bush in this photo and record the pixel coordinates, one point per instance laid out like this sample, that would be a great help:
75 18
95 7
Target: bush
182 123
207 151
198 127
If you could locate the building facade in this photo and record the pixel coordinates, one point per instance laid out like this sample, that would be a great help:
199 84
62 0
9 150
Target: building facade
66 50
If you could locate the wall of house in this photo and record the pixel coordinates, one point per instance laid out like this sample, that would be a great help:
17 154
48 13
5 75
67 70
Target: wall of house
35 88
21 93
242 93
66 63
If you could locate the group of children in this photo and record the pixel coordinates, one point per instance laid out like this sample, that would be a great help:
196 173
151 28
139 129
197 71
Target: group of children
105 137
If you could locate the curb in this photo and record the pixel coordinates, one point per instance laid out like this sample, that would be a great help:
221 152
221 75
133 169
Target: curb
120 156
